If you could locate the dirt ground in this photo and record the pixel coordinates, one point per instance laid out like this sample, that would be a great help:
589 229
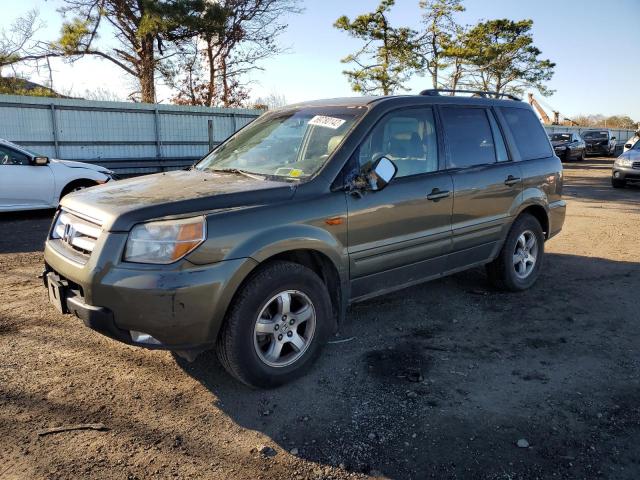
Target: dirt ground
438 381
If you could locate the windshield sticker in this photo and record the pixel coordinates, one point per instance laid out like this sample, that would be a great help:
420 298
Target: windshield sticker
295 172
328 122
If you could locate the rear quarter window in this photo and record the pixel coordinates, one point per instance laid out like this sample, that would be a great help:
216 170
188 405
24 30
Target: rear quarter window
531 139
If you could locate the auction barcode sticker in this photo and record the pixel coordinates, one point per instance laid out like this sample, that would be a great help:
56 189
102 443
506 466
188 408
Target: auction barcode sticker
329 122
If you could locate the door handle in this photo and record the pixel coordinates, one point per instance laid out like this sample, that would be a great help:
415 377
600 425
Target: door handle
511 180
436 194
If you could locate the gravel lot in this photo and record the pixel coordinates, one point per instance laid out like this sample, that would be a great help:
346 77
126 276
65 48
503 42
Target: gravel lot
440 380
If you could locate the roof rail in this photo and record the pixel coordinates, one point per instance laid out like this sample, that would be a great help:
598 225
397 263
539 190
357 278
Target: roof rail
434 92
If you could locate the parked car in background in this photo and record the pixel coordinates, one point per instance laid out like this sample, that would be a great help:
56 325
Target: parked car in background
259 249
629 144
599 142
568 146
626 168
29 181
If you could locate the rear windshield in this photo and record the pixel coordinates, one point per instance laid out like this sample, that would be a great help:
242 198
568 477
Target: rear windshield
531 139
559 137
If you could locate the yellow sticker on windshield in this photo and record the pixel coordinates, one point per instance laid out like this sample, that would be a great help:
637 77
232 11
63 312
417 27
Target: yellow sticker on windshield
295 172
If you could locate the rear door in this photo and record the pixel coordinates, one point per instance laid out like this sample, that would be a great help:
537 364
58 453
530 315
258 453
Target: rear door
23 185
401 234
487 184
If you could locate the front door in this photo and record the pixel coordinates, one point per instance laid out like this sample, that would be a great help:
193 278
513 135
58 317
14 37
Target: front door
486 183
23 185
401 234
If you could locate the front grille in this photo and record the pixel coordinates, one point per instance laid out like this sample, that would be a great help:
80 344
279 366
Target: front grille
636 165
76 233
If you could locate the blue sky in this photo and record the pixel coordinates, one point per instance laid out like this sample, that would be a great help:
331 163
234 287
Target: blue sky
592 42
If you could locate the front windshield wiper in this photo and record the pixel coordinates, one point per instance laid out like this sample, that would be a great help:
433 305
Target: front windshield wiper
252 175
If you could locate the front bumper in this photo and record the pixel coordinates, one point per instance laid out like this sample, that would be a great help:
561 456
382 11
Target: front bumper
181 306
626 173
598 149
99 319
561 152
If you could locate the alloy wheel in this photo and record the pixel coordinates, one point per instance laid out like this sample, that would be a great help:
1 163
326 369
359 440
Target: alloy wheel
284 328
525 254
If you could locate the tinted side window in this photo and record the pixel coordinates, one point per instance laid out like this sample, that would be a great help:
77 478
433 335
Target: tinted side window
469 136
408 137
530 137
11 157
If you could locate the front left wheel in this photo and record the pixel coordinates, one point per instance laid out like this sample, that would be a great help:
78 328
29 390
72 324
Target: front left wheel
617 183
276 326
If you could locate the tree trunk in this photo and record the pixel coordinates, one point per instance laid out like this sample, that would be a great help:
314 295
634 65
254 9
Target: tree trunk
147 70
226 91
211 87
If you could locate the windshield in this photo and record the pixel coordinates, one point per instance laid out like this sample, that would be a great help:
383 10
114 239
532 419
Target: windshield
558 137
292 144
596 135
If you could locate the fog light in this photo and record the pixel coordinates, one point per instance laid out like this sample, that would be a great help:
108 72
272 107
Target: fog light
616 174
141 337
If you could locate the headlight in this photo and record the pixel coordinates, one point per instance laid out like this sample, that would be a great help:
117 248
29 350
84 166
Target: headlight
165 241
623 162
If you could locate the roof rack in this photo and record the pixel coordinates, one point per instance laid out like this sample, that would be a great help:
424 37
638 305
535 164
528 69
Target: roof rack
434 92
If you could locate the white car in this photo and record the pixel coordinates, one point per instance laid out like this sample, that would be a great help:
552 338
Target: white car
29 181
629 144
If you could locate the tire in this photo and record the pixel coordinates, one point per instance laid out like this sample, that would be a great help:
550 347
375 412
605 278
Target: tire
583 155
258 307
567 155
615 183
503 272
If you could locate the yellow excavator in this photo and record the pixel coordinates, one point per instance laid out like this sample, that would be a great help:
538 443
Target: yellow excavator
545 118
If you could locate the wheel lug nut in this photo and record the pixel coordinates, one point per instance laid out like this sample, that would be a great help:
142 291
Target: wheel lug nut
277 327
284 317
292 321
289 333
280 337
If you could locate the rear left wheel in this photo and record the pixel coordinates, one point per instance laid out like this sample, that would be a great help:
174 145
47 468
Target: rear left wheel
518 265
277 326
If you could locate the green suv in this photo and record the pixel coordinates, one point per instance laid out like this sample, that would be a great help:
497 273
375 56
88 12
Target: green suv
259 249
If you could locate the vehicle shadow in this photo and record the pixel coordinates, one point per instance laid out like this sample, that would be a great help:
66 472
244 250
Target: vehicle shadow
584 181
23 232
590 163
442 378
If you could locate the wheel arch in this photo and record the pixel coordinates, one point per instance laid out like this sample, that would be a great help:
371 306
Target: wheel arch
313 258
540 213
78 182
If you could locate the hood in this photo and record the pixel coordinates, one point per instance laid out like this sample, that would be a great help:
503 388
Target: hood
596 140
120 205
633 155
72 164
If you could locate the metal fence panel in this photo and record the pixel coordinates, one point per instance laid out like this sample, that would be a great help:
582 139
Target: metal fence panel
126 137
621 135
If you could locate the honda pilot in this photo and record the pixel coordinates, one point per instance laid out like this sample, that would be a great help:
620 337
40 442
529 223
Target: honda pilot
258 250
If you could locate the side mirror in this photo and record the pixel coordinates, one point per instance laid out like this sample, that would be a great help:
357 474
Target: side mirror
627 145
40 161
382 172
613 138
